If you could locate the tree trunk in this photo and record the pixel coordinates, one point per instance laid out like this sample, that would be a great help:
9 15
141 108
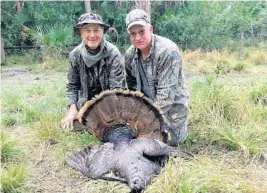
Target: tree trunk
252 32
87 6
96 5
119 3
144 4
18 6
2 50
241 44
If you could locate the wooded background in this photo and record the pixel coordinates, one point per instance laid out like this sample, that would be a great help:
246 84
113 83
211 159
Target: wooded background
191 24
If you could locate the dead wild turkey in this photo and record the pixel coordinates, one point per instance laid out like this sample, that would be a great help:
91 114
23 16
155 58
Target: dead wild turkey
133 129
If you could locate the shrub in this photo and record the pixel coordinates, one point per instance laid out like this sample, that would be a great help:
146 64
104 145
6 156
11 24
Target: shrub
259 57
9 119
239 66
48 128
52 39
8 148
12 178
258 94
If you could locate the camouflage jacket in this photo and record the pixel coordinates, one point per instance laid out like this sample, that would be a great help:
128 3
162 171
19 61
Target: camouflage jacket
81 85
166 74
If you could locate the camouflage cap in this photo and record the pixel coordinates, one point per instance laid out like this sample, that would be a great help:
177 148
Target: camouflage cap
89 18
137 17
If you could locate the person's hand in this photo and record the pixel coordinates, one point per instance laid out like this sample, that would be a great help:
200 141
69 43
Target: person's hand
67 122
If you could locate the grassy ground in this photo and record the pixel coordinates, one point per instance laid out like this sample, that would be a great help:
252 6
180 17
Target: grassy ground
227 130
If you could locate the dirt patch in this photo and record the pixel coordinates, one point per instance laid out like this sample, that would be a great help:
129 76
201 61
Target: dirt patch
18 76
11 72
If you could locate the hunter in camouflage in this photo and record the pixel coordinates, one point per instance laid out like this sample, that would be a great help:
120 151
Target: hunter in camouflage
94 65
154 67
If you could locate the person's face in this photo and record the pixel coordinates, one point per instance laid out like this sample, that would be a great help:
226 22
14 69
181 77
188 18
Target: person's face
141 36
92 35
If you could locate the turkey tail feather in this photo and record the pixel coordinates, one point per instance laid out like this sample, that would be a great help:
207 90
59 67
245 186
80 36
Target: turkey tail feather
114 107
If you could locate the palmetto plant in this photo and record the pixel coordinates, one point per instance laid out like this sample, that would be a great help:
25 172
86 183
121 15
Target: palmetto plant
52 38
52 35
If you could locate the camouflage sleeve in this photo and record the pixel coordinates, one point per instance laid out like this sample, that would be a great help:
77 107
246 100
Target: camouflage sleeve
116 77
74 83
130 79
172 96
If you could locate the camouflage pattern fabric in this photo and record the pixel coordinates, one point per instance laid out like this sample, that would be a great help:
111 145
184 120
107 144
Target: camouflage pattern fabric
90 18
84 82
171 94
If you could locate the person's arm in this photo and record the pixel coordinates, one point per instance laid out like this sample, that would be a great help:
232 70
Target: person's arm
74 82
172 96
73 87
130 79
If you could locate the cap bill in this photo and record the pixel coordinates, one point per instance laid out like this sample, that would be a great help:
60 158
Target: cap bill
144 23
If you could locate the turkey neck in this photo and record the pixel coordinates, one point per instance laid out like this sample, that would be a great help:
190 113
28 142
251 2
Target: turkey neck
119 135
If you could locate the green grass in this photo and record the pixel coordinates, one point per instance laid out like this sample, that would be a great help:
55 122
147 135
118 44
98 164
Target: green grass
12 177
9 119
31 103
240 66
258 57
214 99
9 148
48 128
12 100
35 61
28 59
224 116
250 139
257 94
203 175
225 61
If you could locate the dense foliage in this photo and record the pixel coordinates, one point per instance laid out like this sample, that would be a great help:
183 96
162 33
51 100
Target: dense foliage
206 25
214 24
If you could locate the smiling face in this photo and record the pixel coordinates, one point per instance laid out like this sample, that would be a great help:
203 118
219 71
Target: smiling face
141 36
92 35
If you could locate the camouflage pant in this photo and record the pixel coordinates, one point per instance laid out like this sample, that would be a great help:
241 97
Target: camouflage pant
178 118
181 131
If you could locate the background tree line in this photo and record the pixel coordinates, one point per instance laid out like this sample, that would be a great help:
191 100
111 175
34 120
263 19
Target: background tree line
192 25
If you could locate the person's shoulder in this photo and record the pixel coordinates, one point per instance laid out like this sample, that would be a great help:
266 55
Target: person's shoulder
130 51
111 48
165 45
75 51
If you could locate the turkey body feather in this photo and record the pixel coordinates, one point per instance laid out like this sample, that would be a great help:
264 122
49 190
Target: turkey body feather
129 161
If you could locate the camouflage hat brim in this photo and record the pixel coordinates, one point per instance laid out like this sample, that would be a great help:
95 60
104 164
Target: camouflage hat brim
89 21
141 22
